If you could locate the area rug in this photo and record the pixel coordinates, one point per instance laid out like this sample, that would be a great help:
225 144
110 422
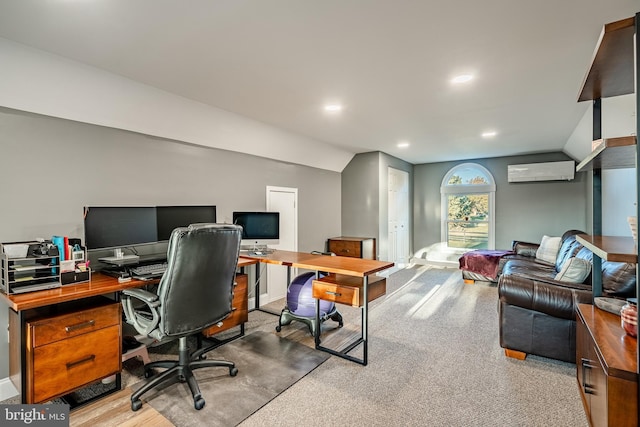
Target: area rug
267 366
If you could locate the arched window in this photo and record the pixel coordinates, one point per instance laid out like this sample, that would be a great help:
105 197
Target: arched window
468 205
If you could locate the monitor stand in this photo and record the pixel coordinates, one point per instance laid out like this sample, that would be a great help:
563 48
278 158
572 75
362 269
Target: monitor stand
121 260
257 250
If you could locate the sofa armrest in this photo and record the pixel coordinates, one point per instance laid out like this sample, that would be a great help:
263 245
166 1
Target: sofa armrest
525 248
544 295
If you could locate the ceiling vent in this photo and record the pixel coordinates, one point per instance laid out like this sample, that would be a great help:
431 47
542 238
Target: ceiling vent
548 171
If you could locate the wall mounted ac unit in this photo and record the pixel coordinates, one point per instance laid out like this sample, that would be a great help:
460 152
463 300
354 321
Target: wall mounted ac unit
548 171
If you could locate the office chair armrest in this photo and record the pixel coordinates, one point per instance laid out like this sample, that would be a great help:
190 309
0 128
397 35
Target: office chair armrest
144 321
145 296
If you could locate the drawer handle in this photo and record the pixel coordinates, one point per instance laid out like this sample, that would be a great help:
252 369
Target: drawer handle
345 250
80 326
337 294
90 358
587 364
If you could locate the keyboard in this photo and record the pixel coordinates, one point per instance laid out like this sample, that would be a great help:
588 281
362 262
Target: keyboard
149 271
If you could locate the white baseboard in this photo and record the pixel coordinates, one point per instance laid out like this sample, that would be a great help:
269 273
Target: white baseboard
252 301
7 390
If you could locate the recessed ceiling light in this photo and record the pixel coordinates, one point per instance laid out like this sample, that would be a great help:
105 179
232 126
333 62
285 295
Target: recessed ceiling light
489 134
402 144
333 108
462 78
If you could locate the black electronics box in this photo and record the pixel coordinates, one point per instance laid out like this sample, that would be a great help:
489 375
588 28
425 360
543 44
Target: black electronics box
72 277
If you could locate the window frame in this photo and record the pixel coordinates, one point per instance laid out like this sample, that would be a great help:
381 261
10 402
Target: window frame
447 189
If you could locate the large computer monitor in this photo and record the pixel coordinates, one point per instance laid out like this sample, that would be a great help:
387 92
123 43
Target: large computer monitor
171 217
258 228
111 227
116 227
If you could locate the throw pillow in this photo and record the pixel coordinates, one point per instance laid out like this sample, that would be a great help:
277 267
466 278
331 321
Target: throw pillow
548 249
575 270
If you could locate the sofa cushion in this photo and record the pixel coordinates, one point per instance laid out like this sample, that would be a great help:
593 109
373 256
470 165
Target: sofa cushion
528 268
569 248
548 249
540 294
575 270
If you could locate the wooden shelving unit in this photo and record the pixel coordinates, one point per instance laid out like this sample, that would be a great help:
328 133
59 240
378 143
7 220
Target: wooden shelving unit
612 66
613 70
611 248
612 153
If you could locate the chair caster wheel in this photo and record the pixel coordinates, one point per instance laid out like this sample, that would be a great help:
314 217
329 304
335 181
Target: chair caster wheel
148 373
233 371
199 403
136 404
278 328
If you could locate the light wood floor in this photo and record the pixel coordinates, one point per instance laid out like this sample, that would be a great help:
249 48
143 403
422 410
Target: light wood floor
115 410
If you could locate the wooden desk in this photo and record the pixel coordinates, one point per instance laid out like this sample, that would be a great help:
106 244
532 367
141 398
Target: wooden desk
27 312
53 310
339 265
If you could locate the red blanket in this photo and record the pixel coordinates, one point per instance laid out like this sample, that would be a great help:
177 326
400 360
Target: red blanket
482 261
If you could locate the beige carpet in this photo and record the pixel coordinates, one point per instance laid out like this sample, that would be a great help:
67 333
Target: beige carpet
434 360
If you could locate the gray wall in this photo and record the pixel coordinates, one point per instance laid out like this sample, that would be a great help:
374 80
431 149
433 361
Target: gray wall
524 211
360 197
364 197
51 168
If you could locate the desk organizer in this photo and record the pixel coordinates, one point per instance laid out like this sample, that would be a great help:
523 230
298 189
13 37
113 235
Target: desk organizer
27 272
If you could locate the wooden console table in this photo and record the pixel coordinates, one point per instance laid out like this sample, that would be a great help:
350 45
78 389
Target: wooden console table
606 368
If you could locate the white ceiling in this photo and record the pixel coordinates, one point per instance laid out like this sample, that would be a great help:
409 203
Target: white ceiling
388 62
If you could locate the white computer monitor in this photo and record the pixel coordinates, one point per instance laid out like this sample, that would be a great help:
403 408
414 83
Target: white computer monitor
259 229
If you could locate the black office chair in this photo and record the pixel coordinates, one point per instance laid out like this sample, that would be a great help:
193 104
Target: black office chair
194 293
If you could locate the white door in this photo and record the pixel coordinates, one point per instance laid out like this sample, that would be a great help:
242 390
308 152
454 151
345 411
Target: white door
398 211
285 201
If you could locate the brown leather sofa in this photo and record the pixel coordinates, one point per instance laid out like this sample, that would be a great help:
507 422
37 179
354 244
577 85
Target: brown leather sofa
536 312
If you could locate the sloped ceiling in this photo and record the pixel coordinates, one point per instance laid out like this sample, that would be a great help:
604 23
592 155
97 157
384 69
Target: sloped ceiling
389 63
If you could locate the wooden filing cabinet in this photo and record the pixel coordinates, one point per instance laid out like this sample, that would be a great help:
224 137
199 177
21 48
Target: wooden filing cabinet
357 247
240 307
69 351
606 368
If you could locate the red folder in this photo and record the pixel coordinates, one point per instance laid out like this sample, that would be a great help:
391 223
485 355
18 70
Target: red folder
67 253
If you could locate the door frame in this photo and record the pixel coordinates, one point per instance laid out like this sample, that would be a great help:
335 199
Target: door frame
406 206
267 297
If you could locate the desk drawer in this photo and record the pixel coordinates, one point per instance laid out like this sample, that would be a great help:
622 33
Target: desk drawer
70 325
240 303
348 289
346 248
62 366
